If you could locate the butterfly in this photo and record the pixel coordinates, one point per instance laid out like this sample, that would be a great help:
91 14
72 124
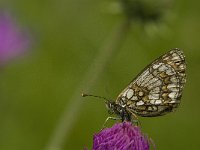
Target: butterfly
156 91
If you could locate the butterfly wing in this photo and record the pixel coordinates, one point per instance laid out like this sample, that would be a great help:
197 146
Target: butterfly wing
157 90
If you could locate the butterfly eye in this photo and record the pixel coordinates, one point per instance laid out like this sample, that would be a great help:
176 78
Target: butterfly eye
110 106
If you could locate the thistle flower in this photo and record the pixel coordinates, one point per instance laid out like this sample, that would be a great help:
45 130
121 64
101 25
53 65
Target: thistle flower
122 136
13 40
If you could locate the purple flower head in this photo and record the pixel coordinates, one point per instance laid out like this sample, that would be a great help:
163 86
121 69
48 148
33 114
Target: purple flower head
13 40
122 136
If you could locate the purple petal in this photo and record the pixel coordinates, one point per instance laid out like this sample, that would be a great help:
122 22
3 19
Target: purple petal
122 136
13 40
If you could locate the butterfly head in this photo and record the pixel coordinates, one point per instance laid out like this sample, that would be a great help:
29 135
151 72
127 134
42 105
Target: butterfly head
114 108
110 106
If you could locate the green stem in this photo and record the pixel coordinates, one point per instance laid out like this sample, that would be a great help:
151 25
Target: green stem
71 112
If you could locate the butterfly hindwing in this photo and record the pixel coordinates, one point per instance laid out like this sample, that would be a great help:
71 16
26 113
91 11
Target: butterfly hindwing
156 90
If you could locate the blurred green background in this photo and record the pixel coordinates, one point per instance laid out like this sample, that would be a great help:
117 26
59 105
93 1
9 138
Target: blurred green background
68 35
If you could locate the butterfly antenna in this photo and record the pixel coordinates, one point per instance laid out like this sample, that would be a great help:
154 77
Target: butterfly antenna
84 95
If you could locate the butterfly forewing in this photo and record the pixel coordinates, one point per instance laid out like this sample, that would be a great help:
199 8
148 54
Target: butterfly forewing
158 89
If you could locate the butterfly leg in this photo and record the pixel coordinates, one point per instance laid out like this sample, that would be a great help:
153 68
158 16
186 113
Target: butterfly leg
113 118
135 120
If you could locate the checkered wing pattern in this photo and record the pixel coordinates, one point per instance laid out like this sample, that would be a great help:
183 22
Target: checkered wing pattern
158 89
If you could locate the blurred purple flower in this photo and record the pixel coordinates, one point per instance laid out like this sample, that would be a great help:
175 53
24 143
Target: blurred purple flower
14 41
122 136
